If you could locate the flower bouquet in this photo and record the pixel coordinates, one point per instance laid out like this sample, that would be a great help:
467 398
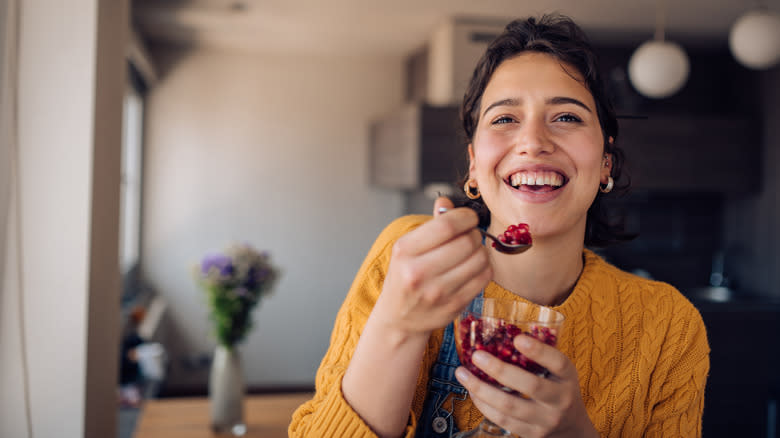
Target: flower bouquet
235 281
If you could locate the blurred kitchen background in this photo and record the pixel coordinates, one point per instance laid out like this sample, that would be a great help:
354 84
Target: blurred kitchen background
304 127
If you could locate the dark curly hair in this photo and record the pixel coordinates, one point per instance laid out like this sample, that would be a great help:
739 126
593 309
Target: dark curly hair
557 36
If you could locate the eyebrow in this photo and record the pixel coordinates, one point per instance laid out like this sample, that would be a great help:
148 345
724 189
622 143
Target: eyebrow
558 100
503 102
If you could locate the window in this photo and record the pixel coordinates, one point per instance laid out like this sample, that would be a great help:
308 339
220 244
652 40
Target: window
131 185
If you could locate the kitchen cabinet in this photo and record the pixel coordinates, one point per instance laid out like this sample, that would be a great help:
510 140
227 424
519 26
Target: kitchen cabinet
692 153
417 145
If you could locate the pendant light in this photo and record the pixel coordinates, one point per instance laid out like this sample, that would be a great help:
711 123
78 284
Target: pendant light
754 39
658 68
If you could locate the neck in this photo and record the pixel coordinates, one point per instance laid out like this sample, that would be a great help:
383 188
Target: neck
545 274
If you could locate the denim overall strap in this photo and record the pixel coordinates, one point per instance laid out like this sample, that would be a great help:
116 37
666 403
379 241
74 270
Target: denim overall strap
436 420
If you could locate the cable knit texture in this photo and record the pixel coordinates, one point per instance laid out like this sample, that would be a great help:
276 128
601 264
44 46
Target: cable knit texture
640 348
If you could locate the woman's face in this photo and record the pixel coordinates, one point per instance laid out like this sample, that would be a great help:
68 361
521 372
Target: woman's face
538 151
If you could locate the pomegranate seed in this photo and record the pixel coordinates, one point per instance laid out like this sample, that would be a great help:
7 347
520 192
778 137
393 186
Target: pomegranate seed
486 334
516 234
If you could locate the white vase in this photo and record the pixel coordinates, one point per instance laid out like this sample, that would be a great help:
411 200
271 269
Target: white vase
226 392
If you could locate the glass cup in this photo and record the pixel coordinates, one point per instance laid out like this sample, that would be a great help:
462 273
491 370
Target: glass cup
492 327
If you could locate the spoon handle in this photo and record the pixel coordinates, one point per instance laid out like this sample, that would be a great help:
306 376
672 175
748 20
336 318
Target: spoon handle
490 236
484 233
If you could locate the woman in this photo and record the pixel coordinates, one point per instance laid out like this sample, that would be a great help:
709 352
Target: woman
633 356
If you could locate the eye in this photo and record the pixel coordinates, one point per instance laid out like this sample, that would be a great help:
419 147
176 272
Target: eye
568 118
503 119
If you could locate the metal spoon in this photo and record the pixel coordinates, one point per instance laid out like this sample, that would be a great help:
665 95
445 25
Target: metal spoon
500 246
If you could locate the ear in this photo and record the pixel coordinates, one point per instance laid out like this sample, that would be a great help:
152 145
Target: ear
606 164
471 159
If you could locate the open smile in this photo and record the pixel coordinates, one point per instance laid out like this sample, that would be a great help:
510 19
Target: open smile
537 181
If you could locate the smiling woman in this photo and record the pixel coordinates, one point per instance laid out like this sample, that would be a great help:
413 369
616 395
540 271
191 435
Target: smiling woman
580 73
632 357
548 134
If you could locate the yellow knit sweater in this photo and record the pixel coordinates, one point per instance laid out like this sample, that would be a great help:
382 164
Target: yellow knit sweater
639 346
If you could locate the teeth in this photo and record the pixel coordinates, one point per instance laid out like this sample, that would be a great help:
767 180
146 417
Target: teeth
553 179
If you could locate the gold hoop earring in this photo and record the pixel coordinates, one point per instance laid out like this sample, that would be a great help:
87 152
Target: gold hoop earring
608 187
472 192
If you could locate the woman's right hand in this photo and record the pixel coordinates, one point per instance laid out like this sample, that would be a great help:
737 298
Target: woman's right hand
435 271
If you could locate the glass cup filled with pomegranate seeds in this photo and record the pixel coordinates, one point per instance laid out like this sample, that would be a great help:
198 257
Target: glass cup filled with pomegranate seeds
491 324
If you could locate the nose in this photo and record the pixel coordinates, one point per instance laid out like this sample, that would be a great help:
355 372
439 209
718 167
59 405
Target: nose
533 139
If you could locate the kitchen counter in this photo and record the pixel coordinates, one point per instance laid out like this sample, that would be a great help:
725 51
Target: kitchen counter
266 416
722 297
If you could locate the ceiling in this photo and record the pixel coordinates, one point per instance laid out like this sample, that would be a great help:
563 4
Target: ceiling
398 27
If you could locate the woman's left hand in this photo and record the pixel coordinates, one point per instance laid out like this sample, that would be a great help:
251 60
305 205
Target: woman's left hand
553 407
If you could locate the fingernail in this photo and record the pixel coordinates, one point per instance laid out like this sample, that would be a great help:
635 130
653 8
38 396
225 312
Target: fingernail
479 358
523 342
461 375
443 210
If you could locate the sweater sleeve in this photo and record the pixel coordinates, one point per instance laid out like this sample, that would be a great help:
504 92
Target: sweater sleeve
328 414
678 412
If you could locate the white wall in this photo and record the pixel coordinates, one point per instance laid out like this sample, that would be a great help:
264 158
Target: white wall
61 257
272 150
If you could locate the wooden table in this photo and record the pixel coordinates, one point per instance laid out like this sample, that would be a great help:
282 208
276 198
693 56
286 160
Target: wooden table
267 416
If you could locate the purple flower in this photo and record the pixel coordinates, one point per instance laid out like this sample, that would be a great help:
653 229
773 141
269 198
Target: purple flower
262 274
251 279
218 261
